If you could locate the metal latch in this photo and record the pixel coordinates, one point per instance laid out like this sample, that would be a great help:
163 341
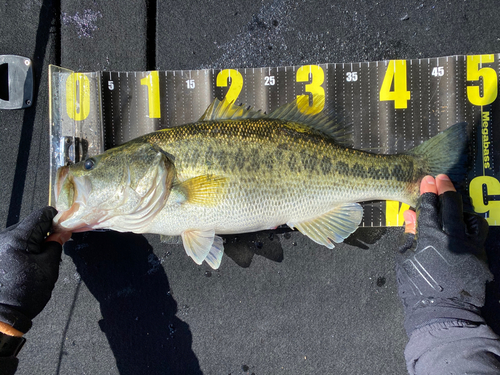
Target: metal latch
16 82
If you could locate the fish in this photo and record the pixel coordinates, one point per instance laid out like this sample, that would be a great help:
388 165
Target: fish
239 170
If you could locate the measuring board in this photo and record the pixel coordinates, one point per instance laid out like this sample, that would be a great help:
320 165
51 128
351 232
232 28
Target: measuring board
392 106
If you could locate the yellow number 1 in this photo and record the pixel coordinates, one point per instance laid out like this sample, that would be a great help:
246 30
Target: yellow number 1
152 81
396 72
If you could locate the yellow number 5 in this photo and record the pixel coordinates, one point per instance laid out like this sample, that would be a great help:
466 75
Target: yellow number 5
490 84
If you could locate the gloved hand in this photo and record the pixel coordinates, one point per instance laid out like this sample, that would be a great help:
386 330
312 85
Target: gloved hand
440 276
29 267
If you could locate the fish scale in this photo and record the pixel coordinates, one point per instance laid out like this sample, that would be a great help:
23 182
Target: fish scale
268 162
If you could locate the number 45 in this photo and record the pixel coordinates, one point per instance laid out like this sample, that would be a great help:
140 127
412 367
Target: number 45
437 71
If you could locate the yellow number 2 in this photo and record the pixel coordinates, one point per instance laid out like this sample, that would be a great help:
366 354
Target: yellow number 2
396 72
316 75
152 81
236 83
78 96
490 84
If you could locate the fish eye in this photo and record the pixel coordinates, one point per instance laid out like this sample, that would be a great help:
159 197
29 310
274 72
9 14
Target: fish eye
89 164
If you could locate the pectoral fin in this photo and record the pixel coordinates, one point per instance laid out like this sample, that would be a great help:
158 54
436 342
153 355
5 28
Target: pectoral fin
202 190
203 245
334 226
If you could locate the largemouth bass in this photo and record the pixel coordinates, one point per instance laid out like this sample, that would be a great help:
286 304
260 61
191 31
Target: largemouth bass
238 170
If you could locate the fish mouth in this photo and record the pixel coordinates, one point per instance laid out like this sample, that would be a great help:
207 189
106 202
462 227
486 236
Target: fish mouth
71 193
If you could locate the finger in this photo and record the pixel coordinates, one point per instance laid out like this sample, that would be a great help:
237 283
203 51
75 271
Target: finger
49 259
410 221
39 220
34 228
428 211
444 184
428 185
60 237
477 229
451 214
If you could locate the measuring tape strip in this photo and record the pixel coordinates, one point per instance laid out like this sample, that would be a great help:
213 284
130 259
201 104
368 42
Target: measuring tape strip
393 106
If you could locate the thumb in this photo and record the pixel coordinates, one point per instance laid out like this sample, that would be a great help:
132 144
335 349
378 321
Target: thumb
410 221
60 237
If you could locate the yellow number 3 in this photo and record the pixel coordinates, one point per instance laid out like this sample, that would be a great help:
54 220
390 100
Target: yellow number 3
317 77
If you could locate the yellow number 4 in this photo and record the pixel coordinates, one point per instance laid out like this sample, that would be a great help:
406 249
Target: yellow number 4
396 73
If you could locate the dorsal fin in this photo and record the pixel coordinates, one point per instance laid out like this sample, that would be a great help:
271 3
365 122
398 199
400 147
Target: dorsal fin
299 111
226 110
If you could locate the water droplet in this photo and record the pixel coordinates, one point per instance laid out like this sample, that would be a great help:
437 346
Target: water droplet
287 236
168 253
381 281
294 244
259 245
2 271
208 273
171 329
169 293
245 368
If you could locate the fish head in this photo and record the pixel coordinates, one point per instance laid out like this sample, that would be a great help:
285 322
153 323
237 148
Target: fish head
122 189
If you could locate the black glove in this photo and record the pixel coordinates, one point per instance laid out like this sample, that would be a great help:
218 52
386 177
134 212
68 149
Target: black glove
29 268
440 276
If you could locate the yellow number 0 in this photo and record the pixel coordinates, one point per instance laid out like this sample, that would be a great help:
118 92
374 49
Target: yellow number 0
490 84
78 96
396 71
317 77
152 81
236 83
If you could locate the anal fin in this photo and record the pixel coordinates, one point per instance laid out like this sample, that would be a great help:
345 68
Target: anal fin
334 226
203 246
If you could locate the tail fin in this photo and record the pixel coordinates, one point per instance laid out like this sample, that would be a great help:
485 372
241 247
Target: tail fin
445 153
